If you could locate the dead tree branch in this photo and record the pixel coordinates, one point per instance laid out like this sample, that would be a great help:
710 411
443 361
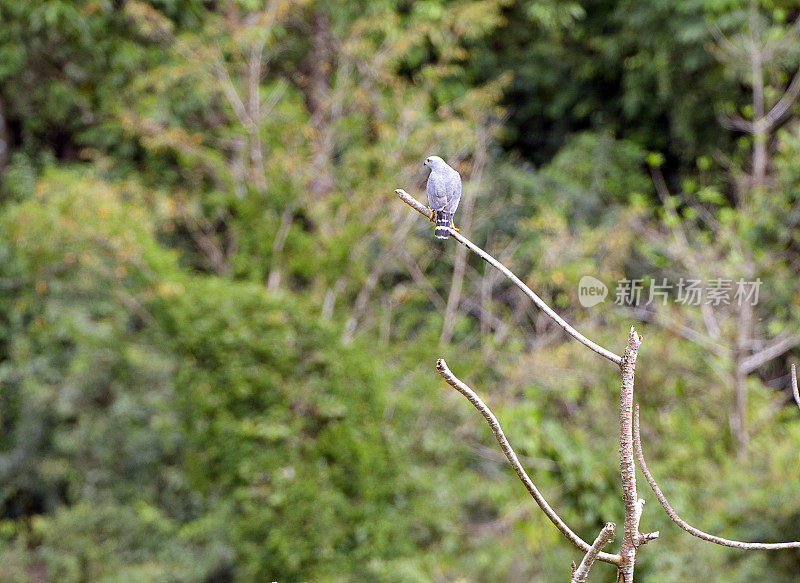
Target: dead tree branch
494 424
795 392
580 573
778 347
631 538
637 440
424 211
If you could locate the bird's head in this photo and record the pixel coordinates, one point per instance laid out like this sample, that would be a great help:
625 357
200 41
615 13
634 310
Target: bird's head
435 163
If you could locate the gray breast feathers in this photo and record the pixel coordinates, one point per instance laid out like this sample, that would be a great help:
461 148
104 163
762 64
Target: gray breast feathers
444 190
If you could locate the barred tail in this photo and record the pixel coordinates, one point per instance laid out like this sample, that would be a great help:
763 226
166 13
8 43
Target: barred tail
443 219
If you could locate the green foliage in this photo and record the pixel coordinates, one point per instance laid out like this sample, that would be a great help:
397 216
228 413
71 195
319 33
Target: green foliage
217 325
638 68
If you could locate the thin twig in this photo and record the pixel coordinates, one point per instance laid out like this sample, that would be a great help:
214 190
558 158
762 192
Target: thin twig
579 575
637 441
494 424
424 211
795 392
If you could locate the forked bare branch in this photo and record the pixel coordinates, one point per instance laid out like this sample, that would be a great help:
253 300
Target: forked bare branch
494 424
424 211
637 440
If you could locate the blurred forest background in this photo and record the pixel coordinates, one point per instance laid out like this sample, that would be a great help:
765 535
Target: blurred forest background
218 324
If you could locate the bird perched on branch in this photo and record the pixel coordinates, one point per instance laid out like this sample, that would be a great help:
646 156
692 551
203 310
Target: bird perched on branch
444 194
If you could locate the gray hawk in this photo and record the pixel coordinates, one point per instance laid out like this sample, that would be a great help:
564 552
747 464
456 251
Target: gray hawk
444 194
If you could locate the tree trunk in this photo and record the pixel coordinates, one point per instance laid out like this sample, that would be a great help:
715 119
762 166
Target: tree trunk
317 88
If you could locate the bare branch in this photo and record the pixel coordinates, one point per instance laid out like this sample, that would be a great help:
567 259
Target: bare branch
682 523
724 44
627 467
794 386
732 121
362 299
781 45
684 332
780 346
419 278
231 93
274 277
579 575
494 424
423 210
269 103
785 102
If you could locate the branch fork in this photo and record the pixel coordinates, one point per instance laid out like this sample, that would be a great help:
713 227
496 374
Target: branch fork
630 444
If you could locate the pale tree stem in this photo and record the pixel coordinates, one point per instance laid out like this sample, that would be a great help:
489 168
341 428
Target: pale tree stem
627 467
580 573
744 327
682 523
254 117
274 277
795 392
319 69
361 303
604 352
457 283
486 297
759 127
494 424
